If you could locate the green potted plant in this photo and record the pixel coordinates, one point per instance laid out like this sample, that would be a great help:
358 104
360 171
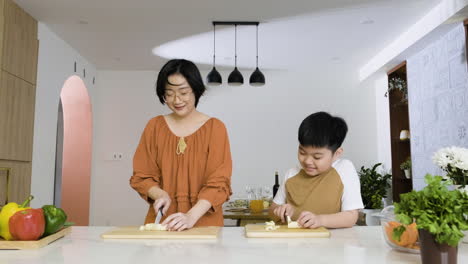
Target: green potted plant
374 187
397 83
406 167
440 216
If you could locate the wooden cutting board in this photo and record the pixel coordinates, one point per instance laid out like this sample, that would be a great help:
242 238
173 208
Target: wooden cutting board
4 244
284 231
133 232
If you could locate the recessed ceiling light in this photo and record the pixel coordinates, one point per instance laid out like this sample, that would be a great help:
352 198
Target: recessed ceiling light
367 21
83 22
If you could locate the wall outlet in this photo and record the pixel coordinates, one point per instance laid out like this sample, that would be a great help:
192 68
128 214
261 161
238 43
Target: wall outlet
117 156
114 156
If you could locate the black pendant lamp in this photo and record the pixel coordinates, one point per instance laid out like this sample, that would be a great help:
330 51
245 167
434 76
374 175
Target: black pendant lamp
235 78
257 78
214 78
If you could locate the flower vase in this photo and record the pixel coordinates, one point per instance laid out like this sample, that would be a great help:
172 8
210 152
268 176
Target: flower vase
371 219
407 174
435 253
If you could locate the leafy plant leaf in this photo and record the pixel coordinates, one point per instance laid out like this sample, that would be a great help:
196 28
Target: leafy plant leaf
397 232
436 209
373 186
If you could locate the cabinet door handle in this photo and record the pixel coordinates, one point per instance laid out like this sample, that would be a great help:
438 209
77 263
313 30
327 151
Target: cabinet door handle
7 173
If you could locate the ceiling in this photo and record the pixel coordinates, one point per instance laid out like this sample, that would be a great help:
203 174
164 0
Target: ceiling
122 34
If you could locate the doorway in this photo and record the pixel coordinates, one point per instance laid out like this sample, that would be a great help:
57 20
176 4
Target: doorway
73 151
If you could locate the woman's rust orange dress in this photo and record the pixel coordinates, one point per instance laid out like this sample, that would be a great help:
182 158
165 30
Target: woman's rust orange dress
203 171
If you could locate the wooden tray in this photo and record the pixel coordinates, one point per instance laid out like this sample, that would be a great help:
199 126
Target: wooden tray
284 231
133 232
4 244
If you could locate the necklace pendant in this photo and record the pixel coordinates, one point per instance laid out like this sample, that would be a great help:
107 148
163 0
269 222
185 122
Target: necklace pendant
181 146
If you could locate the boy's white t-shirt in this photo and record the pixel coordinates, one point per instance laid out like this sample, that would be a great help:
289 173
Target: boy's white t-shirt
351 198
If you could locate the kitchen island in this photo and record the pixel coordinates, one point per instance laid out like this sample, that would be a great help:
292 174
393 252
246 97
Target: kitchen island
360 244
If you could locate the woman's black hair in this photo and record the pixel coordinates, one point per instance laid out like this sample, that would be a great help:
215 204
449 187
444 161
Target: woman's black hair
185 68
322 130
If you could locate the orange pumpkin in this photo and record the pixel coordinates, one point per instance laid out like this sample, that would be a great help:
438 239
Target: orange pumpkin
407 239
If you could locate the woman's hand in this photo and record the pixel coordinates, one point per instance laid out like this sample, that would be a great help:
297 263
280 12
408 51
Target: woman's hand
309 220
179 222
161 200
282 210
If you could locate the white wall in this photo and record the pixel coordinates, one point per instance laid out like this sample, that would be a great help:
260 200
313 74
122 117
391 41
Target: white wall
55 65
438 101
379 81
126 101
262 124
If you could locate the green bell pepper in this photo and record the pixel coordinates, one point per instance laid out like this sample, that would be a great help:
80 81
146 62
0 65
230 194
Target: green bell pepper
55 218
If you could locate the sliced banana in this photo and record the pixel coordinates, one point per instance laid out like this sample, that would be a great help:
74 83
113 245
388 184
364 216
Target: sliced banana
292 224
270 226
153 227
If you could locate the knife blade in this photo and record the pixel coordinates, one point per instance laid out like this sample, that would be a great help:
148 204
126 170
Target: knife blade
158 216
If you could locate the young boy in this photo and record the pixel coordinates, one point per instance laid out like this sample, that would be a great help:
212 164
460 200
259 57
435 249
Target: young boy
325 190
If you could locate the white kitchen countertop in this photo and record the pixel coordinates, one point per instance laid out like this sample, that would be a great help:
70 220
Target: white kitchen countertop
352 245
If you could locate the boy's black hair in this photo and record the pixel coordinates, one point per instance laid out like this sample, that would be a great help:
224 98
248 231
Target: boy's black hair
187 69
322 130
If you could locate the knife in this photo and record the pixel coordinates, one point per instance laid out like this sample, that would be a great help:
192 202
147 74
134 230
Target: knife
158 216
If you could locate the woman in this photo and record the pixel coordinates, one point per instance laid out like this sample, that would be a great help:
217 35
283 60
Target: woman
182 164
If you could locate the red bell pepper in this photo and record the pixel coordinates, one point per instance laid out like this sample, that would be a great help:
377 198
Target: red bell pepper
27 224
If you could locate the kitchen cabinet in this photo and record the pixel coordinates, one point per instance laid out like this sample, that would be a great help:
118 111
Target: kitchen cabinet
20 44
15 181
17 115
18 69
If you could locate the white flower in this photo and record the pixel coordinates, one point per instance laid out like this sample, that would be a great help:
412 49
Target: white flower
463 165
455 156
454 161
461 158
441 158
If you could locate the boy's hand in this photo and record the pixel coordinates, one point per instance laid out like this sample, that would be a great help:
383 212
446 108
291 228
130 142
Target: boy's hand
282 210
309 220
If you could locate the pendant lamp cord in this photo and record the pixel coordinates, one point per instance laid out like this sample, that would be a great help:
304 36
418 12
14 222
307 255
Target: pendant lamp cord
214 45
257 46
235 45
